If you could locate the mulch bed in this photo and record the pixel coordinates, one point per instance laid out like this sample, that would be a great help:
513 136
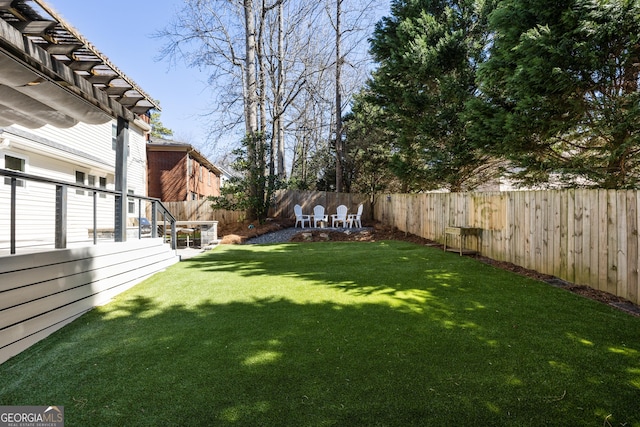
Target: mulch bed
239 233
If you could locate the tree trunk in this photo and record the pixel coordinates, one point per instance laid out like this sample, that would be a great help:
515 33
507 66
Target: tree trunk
280 93
251 95
338 144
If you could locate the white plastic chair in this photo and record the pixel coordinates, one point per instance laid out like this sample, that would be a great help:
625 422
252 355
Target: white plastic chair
300 218
340 217
355 219
319 215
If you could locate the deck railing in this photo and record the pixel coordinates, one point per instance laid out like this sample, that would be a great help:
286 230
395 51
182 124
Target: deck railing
16 180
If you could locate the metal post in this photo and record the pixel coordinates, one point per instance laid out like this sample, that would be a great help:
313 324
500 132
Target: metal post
154 219
95 217
164 227
139 219
12 238
174 236
61 216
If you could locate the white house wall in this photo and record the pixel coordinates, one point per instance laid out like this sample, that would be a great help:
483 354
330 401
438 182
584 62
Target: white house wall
137 162
58 154
91 139
96 142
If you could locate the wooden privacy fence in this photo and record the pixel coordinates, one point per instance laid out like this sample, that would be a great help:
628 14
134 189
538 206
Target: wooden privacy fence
282 207
587 237
200 210
285 200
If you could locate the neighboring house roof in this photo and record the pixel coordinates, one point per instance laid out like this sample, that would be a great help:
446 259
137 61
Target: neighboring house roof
159 144
51 74
228 174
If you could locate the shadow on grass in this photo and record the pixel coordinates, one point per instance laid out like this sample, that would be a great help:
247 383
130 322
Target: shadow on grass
433 346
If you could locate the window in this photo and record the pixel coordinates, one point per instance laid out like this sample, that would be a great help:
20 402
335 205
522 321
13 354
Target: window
80 180
209 178
201 172
103 185
131 204
16 164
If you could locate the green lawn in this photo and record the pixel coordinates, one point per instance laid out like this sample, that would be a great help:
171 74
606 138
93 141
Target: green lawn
337 334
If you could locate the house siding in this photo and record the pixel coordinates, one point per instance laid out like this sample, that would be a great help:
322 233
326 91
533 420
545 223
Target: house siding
82 148
94 139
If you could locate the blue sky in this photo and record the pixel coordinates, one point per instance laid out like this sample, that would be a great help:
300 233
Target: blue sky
122 30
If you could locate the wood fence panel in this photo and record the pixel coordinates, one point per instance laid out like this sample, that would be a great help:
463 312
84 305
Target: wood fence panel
572 236
634 251
416 216
612 256
544 256
603 241
398 204
200 210
632 244
431 217
537 234
518 243
594 241
564 239
554 232
584 271
525 229
509 228
622 242
434 216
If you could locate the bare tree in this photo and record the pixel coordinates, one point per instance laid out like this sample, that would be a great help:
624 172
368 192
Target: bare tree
270 64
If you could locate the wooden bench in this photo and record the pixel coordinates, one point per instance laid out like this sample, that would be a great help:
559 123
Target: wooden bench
463 233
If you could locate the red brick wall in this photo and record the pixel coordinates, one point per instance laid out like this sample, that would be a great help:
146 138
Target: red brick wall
167 172
201 184
167 175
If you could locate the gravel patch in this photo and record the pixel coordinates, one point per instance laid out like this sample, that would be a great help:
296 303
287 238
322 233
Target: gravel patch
283 236
280 236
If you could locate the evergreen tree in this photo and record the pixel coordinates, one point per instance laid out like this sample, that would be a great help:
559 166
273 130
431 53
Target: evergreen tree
559 92
428 51
368 157
158 130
